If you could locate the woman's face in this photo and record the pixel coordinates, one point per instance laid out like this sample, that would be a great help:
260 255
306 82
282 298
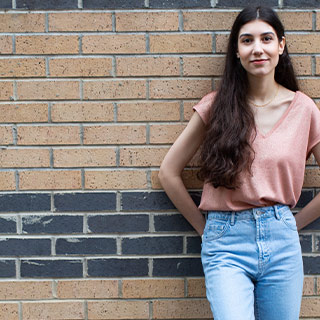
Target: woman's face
259 48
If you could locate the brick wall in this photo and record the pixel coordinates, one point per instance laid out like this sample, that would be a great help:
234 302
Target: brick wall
92 94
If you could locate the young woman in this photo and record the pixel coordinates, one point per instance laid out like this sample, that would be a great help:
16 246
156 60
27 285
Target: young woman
256 133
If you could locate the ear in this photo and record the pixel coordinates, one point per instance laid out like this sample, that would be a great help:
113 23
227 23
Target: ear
282 44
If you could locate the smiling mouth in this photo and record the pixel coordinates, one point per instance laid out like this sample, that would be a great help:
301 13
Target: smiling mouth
257 61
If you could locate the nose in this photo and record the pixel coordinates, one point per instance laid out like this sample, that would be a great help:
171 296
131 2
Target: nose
257 48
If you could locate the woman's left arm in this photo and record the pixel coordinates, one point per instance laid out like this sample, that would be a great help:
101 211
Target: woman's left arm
312 210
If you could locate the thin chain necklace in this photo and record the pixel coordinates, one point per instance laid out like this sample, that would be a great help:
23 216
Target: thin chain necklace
263 105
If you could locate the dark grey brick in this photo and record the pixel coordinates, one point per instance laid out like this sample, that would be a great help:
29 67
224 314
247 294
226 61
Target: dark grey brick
177 267
302 3
7 269
193 245
6 4
171 222
317 243
25 247
86 246
8 225
53 224
27 202
311 265
306 243
118 267
113 4
118 223
46 4
51 269
94 201
152 245
172 4
315 225
305 198
244 3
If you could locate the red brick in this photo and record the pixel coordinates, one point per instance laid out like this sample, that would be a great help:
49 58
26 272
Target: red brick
114 89
48 90
22 67
9 311
6 90
180 43
148 66
22 22
119 43
147 21
49 180
179 88
203 66
115 134
80 21
48 135
161 133
80 67
84 157
23 112
6 135
149 111
82 112
7 180
47 44
6 44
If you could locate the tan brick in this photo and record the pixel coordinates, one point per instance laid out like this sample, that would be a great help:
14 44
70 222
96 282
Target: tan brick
222 42
52 310
6 90
180 43
81 112
47 44
80 21
303 43
6 135
311 87
22 67
152 288
310 307
9 311
24 112
182 309
87 289
116 179
22 22
80 67
187 109
318 21
115 134
6 44
318 65
318 286
312 178
296 20
7 181
149 111
48 90
48 135
196 288
302 65
119 43
165 133
84 157
147 21
22 290
118 310
208 20
142 156
24 158
148 66
50 180
203 66
179 88
114 89
308 286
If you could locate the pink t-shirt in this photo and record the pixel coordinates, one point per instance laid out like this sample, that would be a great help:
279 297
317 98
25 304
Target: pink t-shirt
279 164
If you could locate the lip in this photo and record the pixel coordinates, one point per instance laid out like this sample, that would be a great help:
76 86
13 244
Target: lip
259 61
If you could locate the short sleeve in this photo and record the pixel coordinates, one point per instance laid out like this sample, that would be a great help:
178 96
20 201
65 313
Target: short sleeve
314 133
204 105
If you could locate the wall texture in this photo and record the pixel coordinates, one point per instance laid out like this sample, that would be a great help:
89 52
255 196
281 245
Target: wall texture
92 94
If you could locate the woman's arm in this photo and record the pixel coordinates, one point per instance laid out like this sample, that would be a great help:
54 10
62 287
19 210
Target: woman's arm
172 166
312 210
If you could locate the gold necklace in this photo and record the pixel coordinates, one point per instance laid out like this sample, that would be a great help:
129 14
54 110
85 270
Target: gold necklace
263 105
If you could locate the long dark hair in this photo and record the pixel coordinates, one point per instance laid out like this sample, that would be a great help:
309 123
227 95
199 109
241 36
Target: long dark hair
227 150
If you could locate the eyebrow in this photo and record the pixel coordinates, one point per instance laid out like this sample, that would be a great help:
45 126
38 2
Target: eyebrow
250 35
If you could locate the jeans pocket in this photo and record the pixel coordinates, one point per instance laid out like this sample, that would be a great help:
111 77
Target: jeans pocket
215 229
289 220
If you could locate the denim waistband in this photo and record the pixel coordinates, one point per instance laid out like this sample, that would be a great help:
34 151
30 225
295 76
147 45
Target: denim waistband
252 213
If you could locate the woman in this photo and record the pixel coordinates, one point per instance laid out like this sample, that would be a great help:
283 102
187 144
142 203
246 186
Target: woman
256 133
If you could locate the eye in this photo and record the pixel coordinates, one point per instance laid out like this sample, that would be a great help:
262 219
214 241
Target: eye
267 38
246 40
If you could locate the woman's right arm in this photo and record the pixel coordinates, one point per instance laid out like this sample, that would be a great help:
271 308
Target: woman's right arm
172 166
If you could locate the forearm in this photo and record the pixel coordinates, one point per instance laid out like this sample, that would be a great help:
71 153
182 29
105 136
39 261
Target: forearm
309 213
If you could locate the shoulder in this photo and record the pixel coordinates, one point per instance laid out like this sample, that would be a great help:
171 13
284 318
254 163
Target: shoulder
303 100
204 105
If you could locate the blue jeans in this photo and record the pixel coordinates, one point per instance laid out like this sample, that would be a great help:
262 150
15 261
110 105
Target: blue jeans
252 264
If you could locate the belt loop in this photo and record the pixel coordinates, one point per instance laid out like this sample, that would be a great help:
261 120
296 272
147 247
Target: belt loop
232 218
276 212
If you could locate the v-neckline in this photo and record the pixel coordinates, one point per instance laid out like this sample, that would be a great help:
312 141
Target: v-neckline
278 123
